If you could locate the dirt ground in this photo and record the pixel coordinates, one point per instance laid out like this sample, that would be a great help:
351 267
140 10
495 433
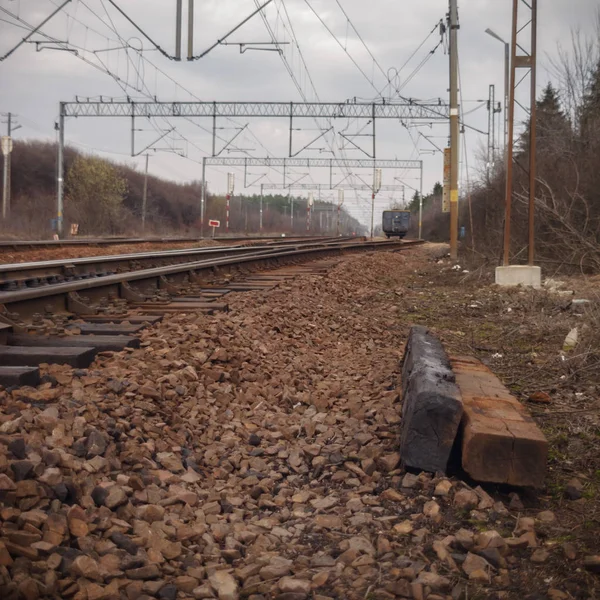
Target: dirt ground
253 454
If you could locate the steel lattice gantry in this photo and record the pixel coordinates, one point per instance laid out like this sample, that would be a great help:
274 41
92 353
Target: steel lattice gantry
325 163
327 110
363 187
335 163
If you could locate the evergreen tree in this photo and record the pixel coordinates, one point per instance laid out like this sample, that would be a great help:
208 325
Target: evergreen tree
414 203
551 120
553 128
590 113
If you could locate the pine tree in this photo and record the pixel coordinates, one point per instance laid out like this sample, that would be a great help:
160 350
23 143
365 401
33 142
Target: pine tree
553 128
551 120
590 112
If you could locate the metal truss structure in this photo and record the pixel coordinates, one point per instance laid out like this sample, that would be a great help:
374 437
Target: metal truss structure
327 163
330 163
327 110
324 187
401 111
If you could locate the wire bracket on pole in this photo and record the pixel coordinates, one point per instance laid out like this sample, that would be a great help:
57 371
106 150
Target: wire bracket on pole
35 30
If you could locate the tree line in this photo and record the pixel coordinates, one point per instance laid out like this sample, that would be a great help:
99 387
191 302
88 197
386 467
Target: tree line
105 198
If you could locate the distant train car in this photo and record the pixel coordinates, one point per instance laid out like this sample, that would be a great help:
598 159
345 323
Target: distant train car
396 223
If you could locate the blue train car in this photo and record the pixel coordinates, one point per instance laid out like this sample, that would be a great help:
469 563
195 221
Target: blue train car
396 223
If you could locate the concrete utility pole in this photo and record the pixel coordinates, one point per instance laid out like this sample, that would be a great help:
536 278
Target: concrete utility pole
454 129
230 190
203 196
145 196
421 202
60 176
260 214
6 151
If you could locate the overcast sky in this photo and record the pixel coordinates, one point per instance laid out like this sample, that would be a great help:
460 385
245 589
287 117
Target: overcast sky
33 83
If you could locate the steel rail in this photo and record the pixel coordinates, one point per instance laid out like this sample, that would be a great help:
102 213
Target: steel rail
119 241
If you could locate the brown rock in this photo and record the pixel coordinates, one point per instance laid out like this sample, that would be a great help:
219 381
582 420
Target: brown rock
466 500
5 558
171 462
6 483
150 392
540 398
29 589
77 521
151 513
431 509
569 550
116 497
434 581
147 572
404 528
97 592
84 566
443 488
26 551
224 585
389 462
480 576
277 567
291 585
401 588
574 490
320 579
392 495
475 563
465 539
540 556
328 522
546 516
185 583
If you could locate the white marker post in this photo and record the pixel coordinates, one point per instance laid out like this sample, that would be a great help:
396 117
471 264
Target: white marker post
214 224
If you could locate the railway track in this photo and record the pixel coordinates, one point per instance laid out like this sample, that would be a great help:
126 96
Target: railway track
8 245
39 273
52 312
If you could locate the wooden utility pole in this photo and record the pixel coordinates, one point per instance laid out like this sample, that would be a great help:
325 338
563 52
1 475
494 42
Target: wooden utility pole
454 129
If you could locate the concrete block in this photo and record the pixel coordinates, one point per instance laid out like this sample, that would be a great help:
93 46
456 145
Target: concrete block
524 275
432 407
500 441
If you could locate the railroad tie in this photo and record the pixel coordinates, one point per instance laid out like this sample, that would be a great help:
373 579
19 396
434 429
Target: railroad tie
457 403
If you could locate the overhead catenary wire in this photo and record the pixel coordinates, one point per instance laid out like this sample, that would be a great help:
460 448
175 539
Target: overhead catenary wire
140 76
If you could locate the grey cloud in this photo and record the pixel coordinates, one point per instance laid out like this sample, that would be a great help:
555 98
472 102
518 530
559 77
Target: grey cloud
32 84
